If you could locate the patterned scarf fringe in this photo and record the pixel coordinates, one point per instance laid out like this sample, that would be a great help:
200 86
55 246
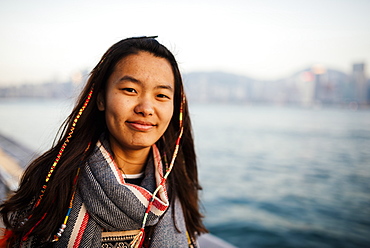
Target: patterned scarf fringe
138 241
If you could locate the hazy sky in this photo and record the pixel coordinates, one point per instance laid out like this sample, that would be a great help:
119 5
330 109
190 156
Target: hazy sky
265 39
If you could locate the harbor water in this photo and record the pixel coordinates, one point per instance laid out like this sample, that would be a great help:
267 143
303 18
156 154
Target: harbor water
271 176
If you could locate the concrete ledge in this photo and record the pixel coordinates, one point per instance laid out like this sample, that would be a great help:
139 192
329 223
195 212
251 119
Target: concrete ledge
10 171
20 153
14 157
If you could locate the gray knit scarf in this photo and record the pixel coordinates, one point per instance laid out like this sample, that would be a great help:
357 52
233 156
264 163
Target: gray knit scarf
105 202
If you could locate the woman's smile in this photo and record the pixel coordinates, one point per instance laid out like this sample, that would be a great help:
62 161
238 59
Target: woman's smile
141 126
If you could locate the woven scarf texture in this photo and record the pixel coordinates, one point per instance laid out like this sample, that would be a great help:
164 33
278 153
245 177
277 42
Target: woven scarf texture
105 202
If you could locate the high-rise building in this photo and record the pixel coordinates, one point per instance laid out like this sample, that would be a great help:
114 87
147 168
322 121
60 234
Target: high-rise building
360 83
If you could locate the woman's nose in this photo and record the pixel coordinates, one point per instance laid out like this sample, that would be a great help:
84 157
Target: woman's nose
144 107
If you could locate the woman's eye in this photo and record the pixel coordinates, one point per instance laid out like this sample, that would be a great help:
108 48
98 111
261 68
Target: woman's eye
130 90
163 96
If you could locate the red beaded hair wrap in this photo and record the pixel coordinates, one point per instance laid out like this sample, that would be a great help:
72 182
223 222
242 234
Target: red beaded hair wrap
52 169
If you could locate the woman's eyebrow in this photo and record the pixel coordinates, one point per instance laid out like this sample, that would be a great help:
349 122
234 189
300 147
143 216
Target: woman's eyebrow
165 86
129 78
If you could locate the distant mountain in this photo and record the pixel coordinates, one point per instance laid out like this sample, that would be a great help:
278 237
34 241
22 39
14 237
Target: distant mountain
46 90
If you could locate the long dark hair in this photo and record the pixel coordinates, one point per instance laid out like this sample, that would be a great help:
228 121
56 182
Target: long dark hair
183 180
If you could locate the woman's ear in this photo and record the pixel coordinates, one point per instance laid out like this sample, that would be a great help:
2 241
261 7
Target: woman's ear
101 102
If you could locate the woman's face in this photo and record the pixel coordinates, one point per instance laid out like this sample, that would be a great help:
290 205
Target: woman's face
138 101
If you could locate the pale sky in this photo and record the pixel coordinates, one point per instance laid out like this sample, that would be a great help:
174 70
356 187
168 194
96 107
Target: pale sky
44 40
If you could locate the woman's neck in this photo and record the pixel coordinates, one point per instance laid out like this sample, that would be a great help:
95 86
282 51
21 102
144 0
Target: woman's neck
130 161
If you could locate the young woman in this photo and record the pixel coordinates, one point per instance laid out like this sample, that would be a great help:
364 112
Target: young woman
124 171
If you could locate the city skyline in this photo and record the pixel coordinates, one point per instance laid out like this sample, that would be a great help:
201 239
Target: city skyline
266 40
313 86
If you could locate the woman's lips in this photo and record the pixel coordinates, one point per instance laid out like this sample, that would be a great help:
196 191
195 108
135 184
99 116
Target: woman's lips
140 125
